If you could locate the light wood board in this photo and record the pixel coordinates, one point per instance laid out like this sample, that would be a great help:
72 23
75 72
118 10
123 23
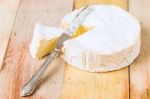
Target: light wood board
8 10
140 69
121 3
83 85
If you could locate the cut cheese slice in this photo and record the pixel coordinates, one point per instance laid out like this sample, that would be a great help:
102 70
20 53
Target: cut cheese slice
44 40
108 39
112 43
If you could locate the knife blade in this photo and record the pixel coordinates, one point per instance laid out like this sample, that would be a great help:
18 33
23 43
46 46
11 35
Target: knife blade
31 85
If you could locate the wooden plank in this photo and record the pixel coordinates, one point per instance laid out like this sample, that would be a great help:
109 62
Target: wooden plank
121 3
18 64
84 85
8 9
140 70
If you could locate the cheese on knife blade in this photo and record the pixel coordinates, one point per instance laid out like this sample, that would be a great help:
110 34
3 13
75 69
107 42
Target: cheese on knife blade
108 39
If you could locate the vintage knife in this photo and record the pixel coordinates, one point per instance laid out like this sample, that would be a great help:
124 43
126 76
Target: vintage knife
31 85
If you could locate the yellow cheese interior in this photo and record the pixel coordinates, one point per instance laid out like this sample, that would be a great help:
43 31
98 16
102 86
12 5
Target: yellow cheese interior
46 46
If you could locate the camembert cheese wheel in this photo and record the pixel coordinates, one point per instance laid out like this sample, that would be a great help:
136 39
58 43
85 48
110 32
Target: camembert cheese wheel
112 43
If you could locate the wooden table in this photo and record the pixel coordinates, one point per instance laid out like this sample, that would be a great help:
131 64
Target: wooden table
17 20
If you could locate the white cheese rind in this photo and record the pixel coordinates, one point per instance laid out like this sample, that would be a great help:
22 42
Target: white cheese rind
112 44
94 62
40 33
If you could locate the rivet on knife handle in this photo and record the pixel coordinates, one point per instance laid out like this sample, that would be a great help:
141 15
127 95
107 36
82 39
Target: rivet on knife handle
31 85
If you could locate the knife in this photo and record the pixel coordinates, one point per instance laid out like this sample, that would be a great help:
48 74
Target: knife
31 85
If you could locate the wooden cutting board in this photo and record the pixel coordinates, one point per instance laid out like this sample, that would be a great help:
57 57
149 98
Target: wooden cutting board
18 18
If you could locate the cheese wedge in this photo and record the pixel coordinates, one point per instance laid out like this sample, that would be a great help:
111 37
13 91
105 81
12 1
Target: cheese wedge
109 39
112 43
44 40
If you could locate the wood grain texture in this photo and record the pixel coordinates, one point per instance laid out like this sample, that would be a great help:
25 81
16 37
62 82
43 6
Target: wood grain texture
18 64
84 85
140 69
121 3
8 9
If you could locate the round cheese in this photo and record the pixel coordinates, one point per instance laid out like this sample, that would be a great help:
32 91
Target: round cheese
112 43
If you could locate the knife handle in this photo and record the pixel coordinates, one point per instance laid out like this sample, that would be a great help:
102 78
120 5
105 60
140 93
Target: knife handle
31 85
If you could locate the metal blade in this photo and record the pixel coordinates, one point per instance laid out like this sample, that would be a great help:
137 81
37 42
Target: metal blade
76 22
79 19
62 38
